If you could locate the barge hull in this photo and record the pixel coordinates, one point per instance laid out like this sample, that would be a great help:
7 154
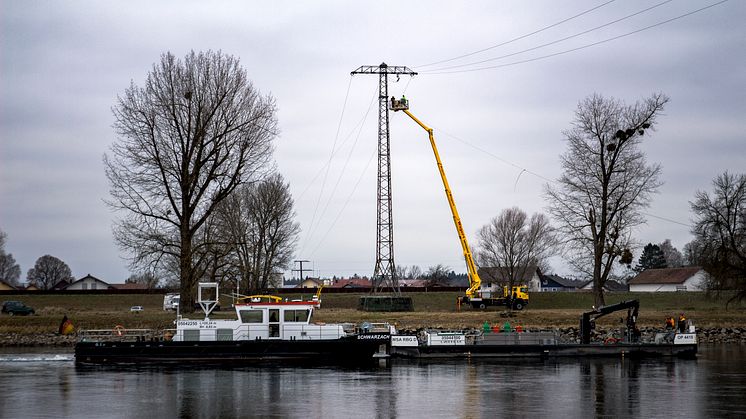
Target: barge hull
548 351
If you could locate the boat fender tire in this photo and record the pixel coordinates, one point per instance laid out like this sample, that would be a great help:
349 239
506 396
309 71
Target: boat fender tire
518 305
482 306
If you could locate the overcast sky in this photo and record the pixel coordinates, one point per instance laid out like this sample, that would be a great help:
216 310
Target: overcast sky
65 62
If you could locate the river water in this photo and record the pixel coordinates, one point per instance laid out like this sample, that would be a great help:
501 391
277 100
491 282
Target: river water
47 384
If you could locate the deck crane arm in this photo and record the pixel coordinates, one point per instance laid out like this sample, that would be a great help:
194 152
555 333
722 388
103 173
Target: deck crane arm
471 268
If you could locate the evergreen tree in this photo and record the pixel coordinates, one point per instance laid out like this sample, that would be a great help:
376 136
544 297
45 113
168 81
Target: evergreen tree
652 257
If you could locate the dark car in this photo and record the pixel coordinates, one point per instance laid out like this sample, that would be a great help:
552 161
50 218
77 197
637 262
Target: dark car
17 308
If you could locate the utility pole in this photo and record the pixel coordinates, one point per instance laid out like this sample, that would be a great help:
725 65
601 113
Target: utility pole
384 273
301 270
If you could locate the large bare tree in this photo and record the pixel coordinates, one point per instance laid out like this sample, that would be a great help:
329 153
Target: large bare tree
194 132
258 222
606 183
720 233
516 244
48 271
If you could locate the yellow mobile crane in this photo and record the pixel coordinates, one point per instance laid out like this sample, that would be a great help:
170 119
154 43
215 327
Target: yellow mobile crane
517 297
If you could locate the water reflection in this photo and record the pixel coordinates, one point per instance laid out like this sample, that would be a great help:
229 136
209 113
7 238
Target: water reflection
711 386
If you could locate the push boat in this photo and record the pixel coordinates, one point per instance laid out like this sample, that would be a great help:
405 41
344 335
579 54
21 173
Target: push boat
266 328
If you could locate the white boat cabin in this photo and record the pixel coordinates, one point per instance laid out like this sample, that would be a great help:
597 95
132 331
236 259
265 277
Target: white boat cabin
261 317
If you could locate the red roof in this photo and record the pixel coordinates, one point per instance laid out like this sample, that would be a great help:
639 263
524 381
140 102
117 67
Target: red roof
351 283
665 275
129 286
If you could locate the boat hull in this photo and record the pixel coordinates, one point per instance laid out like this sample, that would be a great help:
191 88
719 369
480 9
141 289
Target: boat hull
642 350
353 349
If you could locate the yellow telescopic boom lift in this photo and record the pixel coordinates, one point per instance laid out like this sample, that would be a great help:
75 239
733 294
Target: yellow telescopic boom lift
471 268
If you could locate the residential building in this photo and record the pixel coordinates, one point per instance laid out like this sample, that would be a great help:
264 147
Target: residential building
691 278
4 286
556 283
87 282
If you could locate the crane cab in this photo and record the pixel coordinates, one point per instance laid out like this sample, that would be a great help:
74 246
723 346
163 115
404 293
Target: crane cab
398 104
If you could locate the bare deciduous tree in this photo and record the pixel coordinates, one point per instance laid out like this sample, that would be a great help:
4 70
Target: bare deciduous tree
187 139
515 243
674 258
720 233
437 276
48 271
257 221
10 271
605 184
149 279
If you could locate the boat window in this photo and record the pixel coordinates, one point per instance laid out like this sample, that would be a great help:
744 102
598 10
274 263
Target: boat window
274 323
224 334
251 316
191 334
296 316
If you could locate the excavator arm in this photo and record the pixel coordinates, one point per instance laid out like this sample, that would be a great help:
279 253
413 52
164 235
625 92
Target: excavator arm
471 268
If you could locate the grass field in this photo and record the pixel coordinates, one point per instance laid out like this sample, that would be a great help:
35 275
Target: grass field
433 309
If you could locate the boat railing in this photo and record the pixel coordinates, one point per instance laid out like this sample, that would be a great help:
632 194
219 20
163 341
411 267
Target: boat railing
118 333
381 327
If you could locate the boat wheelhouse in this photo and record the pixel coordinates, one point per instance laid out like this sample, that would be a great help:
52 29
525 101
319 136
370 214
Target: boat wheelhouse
261 317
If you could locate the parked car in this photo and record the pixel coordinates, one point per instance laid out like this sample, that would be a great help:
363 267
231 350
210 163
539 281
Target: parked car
17 308
136 309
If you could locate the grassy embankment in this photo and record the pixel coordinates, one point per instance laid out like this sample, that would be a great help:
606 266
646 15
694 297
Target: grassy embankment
434 309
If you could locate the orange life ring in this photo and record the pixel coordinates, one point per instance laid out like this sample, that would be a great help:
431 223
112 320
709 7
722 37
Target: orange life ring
119 330
611 341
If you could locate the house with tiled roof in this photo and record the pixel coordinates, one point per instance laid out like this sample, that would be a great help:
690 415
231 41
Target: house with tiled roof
691 278
6 286
556 283
309 283
88 282
129 286
351 283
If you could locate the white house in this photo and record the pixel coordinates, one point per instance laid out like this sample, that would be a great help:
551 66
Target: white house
692 278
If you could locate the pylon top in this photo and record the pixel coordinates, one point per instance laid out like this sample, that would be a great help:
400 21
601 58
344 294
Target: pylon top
383 68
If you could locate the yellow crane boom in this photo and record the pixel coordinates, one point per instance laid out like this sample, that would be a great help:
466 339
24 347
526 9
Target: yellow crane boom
471 268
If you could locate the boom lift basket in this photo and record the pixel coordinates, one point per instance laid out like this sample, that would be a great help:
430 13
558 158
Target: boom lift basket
398 104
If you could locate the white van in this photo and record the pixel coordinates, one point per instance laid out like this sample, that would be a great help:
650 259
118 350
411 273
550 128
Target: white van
171 301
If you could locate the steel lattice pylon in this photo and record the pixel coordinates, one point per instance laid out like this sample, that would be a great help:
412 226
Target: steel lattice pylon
384 273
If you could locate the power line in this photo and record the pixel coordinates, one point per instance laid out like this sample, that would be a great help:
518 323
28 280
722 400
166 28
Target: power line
558 40
313 225
666 219
523 169
509 163
344 206
347 138
342 172
516 39
580 47
331 154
